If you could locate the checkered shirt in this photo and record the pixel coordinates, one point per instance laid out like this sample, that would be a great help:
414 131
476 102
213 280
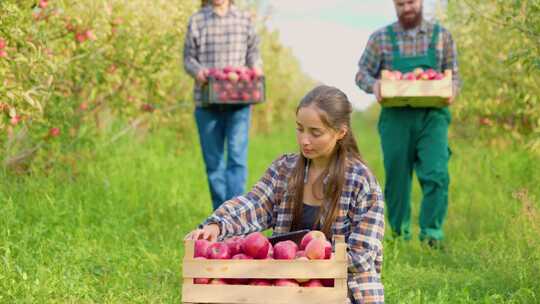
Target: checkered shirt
360 220
378 56
214 41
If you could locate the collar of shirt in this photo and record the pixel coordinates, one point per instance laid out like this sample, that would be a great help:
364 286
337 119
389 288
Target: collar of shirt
233 11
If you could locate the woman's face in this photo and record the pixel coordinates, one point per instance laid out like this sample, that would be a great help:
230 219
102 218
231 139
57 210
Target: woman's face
316 141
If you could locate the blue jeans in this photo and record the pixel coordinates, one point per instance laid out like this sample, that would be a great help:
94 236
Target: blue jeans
218 127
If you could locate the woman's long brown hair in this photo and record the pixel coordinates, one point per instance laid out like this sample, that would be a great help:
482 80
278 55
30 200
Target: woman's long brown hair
335 112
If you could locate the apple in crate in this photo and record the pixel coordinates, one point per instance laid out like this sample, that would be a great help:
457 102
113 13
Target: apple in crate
261 282
285 250
315 249
286 282
218 282
235 245
256 95
219 251
245 96
256 245
201 248
313 283
314 234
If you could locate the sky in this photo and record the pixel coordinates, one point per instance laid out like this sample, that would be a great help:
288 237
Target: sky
328 37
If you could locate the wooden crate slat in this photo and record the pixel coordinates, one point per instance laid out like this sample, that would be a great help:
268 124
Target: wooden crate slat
239 294
264 269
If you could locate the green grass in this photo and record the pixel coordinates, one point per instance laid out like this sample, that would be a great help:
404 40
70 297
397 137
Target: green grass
112 231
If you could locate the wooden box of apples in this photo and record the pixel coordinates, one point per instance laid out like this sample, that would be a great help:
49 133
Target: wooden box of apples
234 85
250 270
424 89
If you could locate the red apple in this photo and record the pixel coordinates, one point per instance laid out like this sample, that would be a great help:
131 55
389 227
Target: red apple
313 283
212 72
256 72
256 95
245 77
431 73
438 76
220 75
80 37
15 120
285 250
43 3
201 248
90 35
261 282
256 245
218 282
397 75
3 54
417 72
423 76
54 132
2 43
219 251
245 96
241 256
228 69
286 282
408 76
232 76
315 249
235 245
223 96
314 234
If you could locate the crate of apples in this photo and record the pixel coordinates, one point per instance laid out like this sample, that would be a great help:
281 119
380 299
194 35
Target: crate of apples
234 85
249 269
419 88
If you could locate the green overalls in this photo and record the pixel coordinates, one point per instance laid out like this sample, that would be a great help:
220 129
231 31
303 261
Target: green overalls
415 138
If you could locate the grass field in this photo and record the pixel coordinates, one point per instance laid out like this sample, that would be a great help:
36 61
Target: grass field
112 231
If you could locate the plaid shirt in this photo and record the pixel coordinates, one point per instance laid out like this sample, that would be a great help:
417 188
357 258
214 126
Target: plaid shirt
218 41
378 52
360 220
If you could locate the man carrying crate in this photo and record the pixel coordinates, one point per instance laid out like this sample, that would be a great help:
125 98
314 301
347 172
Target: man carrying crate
412 138
221 35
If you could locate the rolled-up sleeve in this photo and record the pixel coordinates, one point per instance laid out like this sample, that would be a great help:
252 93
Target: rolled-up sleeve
369 65
251 212
253 55
450 60
191 60
366 239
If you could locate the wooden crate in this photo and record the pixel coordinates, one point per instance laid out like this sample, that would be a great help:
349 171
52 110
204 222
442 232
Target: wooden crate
210 96
335 268
417 93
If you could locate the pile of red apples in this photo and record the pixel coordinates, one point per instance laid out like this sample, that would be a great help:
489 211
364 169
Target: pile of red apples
232 84
256 246
416 74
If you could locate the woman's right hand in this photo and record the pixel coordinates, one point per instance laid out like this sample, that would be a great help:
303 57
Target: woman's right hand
208 232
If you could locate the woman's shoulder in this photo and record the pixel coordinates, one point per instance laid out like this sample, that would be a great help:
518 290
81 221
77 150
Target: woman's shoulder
360 174
286 161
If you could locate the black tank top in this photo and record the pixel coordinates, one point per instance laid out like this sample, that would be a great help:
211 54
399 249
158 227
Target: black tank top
309 217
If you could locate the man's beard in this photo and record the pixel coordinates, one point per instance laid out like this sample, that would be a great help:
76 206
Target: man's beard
411 22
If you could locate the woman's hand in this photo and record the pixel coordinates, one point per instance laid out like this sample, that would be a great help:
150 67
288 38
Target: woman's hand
208 232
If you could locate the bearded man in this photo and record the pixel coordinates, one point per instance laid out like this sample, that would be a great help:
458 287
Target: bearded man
412 138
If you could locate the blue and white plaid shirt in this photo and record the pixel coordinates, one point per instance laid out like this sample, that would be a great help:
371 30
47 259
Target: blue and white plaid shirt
360 219
214 41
